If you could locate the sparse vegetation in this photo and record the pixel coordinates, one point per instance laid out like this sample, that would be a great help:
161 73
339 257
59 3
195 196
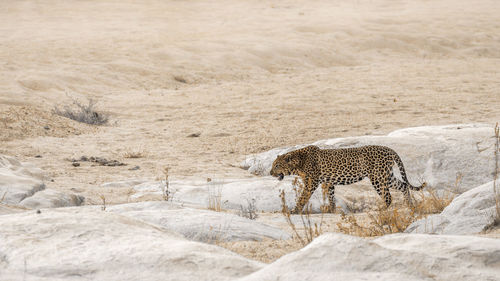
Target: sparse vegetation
380 222
103 198
496 216
250 211
134 153
395 219
215 235
166 192
84 113
214 190
310 229
432 202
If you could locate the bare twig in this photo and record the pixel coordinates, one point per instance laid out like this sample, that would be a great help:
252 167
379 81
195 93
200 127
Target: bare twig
495 174
103 198
310 229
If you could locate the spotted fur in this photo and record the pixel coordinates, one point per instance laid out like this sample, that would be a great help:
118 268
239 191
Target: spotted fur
342 167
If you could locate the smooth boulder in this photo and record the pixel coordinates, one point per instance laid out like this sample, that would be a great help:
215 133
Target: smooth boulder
18 180
391 257
21 185
198 224
468 213
263 193
434 154
87 244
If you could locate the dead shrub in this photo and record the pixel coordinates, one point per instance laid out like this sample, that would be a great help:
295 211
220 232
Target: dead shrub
250 211
432 202
395 219
380 222
84 113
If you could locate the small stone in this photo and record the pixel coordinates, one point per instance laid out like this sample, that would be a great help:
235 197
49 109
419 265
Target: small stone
134 168
75 164
194 135
38 211
38 156
46 127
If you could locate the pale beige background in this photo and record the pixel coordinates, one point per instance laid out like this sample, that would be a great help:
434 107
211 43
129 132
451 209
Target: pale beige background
259 74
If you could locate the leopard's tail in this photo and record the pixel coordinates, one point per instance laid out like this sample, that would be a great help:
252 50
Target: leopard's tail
403 174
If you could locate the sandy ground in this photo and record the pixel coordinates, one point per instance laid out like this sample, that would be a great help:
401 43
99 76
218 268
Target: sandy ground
257 75
245 75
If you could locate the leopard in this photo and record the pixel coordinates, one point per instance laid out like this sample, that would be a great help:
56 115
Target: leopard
344 166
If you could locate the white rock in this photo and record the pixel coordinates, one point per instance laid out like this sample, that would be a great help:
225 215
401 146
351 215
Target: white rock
392 257
10 209
49 198
436 153
235 193
21 184
124 183
199 225
18 180
469 213
86 244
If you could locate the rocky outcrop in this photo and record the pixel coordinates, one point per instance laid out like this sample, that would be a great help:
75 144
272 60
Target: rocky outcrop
469 213
87 244
392 257
18 181
436 154
234 194
21 185
198 224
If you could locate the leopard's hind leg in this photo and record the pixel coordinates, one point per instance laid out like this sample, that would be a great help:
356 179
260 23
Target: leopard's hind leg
381 186
401 186
329 191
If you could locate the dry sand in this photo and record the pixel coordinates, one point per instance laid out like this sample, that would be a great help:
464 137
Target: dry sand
247 75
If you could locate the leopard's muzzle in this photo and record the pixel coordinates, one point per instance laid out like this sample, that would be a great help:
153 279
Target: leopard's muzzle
280 176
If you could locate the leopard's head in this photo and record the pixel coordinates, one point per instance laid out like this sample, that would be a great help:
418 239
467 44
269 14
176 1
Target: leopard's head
285 164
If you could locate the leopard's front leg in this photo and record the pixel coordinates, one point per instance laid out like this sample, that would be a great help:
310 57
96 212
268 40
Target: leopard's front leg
310 185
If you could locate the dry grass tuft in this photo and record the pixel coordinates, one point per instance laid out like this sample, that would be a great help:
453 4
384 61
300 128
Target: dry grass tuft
430 201
250 211
381 222
310 229
84 113
496 215
103 198
166 193
134 153
214 195
395 219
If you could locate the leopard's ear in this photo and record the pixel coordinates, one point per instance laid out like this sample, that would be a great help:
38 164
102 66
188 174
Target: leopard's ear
287 158
294 159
